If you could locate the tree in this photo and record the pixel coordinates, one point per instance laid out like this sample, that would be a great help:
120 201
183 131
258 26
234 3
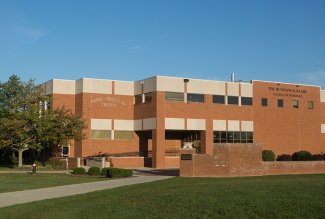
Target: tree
25 124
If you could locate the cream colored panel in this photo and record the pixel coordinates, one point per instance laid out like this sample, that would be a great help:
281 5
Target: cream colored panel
247 126
63 86
233 125
150 85
138 124
101 86
124 88
322 96
101 124
322 128
195 124
149 124
87 85
219 125
79 86
48 87
246 90
175 123
124 125
137 88
206 87
170 84
232 89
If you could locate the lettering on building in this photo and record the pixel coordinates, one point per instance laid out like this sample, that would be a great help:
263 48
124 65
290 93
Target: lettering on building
287 92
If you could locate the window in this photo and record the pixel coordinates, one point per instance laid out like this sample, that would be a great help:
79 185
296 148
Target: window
218 99
264 102
233 100
138 99
249 137
232 137
123 135
246 101
295 103
310 105
195 97
236 137
65 151
101 134
148 97
174 96
280 103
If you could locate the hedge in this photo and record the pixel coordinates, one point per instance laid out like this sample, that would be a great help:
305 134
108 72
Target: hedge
118 172
94 171
284 157
268 155
79 171
301 156
104 170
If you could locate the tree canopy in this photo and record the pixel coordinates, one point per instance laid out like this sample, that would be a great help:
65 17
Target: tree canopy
25 122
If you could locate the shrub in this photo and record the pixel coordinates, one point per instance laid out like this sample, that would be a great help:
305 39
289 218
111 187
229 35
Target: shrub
128 173
94 171
268 155
301 156
79 171
53 163
284 157
318 157
118 172
104 170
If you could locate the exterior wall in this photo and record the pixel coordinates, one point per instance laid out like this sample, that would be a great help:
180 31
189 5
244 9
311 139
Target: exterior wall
241 160
294 167
287 130
283 130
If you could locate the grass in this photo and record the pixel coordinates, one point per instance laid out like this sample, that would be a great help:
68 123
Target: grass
24 181
296 196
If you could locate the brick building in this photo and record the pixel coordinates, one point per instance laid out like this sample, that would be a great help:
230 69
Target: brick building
155 117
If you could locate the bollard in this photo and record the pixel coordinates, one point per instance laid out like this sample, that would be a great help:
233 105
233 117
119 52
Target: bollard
34 168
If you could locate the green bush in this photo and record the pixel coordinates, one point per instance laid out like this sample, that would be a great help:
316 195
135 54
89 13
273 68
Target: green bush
104 170
128 173
94 171
118 172
301 156
284 157
79 171
318 157
54 163
268 155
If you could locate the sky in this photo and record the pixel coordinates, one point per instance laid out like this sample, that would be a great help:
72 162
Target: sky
272 40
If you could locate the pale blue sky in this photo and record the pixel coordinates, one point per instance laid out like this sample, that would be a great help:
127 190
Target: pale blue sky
276 40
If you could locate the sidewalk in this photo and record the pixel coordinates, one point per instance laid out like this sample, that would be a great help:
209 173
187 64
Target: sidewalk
19 197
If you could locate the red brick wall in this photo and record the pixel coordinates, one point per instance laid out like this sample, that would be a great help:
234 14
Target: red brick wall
293 167
242 160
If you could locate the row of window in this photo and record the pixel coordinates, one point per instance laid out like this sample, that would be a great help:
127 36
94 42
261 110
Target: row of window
107 134
219 99
280 103
232 137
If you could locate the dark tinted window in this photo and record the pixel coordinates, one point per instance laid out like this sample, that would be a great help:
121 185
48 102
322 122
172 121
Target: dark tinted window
248 101
138 99
195 97
264 102
233 100
218 99
174 96
280 103
148 97
232 137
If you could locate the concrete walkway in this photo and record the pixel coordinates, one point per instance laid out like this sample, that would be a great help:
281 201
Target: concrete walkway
19 197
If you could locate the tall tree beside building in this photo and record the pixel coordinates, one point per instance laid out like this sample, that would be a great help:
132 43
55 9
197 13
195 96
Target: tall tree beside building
25 124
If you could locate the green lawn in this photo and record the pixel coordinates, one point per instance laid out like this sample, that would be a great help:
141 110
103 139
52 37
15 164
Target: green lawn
297 196
23 181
